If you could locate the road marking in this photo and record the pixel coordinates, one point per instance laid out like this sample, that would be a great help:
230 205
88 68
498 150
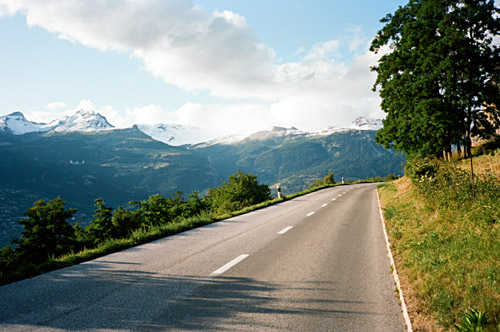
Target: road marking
284 230
394 271
324 205
334 199
230 264
310 213
340 195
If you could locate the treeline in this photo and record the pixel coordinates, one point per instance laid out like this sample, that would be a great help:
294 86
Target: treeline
48 234
329 180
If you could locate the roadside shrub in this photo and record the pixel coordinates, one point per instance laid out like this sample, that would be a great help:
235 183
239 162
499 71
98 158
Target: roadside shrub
417 167
240 191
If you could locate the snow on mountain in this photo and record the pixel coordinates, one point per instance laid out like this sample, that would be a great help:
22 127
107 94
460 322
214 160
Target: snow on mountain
82 120
258 136
224 140
273 133
15 123
174 134
363 123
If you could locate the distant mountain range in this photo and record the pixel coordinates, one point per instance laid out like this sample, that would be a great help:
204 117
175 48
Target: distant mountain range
85 121
171 134
83 157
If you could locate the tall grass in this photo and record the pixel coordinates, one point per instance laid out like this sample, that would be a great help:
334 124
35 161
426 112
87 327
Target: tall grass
448 241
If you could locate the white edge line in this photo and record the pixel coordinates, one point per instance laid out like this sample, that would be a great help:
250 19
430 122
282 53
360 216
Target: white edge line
284 230
310 214
230 264
406 316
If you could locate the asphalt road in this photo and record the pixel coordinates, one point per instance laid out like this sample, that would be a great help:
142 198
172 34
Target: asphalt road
314 263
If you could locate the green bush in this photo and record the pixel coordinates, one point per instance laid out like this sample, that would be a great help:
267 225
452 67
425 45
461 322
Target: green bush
418 167
240 191
328 180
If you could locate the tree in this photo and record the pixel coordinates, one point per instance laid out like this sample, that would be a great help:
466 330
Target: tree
155 211
438 80
125 221
240 191
46 231
101 228
327 180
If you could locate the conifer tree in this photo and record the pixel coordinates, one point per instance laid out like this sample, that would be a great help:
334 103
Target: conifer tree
46 231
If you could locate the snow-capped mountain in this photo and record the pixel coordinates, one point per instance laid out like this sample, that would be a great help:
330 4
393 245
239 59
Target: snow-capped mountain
273 133
363 123
15 123
88 121
174 134
82 120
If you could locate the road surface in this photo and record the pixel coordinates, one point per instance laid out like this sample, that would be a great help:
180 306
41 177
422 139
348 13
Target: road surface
314 263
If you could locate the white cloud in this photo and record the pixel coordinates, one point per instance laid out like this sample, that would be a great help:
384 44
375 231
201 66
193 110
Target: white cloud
218 52
323 50
55 106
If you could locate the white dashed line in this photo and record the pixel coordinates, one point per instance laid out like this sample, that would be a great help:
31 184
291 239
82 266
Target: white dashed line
310 213
230 264
340 195
324 205
284 230
334 199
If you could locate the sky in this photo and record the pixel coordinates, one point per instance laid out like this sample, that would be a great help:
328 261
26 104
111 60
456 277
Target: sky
227 66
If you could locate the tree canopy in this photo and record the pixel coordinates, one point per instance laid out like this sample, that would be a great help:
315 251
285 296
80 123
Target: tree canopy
240 191
46 230
439 79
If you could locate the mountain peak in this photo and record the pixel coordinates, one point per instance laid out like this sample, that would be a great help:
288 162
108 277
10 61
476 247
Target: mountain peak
82 120
274 133
16 124
18 114
364 123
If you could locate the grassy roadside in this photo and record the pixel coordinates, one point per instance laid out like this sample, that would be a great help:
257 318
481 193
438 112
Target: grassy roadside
447 244
137 237
151 233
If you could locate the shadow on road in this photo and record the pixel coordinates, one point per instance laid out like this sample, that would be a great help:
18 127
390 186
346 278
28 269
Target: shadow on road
93 296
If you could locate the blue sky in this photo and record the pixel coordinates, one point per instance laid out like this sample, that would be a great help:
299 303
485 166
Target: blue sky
228 66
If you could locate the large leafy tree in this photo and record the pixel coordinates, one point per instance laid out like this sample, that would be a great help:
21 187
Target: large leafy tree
438 81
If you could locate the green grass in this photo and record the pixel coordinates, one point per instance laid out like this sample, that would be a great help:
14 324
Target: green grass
448 244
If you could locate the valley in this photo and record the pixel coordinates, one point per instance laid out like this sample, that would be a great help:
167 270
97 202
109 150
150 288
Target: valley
122 165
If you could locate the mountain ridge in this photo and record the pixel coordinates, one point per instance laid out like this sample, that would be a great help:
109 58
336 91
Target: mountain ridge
82 120
169 133
121 165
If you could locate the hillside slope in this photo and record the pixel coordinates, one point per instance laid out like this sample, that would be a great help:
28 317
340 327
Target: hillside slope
126 164
118 165
297 160
446 242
